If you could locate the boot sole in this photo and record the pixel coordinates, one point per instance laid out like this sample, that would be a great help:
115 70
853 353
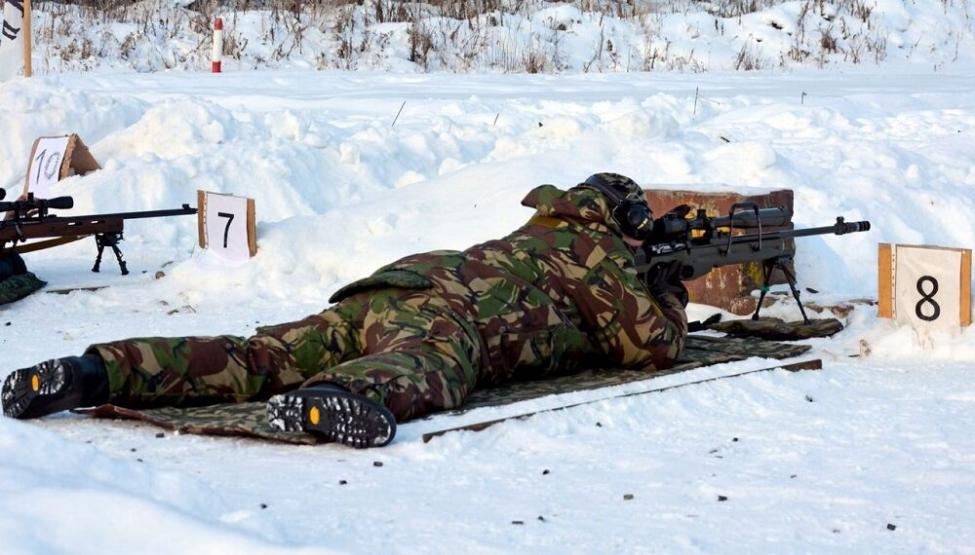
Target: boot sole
44 382
339 416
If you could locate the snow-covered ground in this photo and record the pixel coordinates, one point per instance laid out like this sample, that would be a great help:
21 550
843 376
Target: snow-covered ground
511 36
823 461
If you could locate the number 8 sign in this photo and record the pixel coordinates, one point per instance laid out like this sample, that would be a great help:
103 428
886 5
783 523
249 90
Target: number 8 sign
926 287
226 225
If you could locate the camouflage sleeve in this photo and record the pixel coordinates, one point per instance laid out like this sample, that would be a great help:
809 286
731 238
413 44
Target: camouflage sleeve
630 326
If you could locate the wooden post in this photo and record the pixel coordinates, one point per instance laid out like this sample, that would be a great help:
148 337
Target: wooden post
966 291
201 206
28 67
251 228
217 55
885 276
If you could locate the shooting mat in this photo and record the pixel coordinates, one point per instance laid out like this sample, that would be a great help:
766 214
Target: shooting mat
248 419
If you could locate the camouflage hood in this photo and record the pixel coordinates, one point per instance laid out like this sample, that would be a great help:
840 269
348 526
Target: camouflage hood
580 205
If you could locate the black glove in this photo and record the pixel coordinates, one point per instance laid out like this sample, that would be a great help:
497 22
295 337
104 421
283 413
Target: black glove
665 279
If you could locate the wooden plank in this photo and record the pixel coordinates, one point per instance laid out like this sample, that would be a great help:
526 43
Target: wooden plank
885 275
201 205
28 64
251 227
46 244
966 287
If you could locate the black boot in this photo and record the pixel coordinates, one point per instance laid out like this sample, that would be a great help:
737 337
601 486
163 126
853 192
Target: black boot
333 412
55 385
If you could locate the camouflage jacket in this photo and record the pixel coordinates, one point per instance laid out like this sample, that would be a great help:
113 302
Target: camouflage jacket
555 295
15 281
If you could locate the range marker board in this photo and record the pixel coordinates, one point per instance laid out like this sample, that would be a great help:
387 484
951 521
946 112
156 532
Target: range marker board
227 225
55 158
926 287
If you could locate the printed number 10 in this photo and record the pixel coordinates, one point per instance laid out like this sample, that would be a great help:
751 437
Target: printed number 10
50 168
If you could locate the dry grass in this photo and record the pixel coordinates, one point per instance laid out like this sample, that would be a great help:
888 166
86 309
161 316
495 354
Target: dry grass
453 35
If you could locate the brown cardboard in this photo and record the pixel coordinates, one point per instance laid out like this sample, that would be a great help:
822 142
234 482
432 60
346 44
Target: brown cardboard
77 159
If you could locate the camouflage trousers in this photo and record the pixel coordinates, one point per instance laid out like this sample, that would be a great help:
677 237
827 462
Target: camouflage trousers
406 349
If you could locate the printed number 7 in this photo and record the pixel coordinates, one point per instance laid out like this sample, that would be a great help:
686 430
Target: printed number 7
230 218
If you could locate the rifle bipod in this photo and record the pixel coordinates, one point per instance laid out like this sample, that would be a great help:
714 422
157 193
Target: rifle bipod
769 266
110 239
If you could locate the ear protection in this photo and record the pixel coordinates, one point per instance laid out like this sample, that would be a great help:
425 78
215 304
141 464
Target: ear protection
629 205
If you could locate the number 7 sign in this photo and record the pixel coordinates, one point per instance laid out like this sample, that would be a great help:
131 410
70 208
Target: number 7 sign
926 287
226 225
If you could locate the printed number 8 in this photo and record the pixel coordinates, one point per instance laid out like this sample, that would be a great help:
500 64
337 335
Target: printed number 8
927 298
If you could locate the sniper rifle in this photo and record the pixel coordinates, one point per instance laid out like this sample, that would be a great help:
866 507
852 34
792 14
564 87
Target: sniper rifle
701 243
30 219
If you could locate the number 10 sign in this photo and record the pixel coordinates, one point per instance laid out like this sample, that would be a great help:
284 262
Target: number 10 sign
926 287
55 158
226 225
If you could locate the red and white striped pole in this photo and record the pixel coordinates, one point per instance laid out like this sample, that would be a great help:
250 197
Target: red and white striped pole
217 45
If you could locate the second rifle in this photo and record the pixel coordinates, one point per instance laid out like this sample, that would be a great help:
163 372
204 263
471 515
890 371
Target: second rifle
30 219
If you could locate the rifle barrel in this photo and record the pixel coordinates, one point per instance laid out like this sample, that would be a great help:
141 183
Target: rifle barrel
185 210
53 219
839 228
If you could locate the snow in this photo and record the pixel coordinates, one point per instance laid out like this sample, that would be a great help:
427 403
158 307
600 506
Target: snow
823 461
58 493
510 36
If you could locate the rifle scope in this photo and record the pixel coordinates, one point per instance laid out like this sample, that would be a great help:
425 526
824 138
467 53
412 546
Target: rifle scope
42 205
675 223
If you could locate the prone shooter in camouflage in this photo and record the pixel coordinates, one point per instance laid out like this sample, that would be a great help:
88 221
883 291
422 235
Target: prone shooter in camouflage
556 295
